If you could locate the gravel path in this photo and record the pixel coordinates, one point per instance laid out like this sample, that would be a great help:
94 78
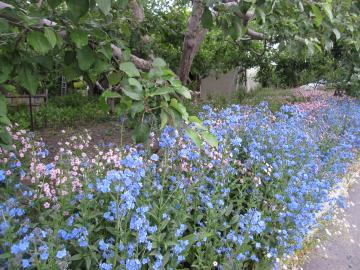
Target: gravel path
341 251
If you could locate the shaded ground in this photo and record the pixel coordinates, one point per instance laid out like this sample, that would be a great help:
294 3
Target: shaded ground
102 134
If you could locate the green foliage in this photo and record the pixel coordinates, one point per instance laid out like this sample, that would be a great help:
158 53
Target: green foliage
67 111
148 96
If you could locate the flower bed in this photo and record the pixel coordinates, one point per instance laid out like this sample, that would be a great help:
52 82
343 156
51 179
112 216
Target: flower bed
244 205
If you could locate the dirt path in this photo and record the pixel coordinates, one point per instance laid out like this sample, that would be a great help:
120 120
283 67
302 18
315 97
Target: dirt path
341 251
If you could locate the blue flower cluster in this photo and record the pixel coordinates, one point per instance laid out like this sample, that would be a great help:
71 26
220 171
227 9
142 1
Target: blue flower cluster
251 200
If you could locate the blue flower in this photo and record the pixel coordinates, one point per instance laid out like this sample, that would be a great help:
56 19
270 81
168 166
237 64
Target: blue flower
2 176
154 157
26 263
105 266
61 253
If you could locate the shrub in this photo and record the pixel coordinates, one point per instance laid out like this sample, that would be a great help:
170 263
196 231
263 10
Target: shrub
242 205
66 111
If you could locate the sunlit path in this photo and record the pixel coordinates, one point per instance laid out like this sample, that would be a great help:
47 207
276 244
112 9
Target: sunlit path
341 252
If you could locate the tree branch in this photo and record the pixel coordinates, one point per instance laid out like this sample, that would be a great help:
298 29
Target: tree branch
137 11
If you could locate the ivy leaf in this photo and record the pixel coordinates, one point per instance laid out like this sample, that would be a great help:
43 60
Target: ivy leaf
194 137
39 42
85 57
79 37
50 36
54 3
130 69
141 133
78 8
105 6
27 79
207 19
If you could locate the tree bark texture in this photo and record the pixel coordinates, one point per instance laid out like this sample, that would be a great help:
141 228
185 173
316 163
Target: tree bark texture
194 36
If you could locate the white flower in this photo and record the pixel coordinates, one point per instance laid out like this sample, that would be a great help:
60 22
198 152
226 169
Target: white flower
215 263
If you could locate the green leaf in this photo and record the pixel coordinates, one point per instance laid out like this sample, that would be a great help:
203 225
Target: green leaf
207 19
195 119
317 13
131 94
162 91
183 91
110 94
337 33
260 12
141 133
106 51
79 37
76 257
72 72
180 108
54 3
9 88
4 26
50 36
69 57
194 137
39 42
78 8
114 78
105 6
85 57
3 106
5 137
137 107
5 255
130 69
159 63
27 78
328 11
164 119
210 139
136 85
5 69
101 66
5 120
88 262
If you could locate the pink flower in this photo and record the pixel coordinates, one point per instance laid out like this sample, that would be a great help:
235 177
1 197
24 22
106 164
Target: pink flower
46 205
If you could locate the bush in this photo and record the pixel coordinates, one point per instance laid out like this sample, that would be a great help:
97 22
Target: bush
65 111
241 205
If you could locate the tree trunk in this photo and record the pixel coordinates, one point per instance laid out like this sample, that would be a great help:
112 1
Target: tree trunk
194 36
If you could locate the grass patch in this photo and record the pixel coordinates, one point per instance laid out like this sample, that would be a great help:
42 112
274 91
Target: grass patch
275 97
